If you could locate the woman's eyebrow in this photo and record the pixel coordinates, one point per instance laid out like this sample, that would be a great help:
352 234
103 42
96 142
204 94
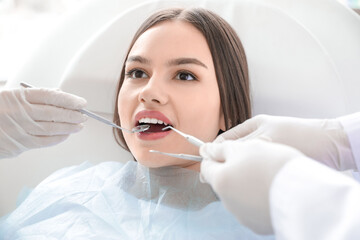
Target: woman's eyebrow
137 58
179 61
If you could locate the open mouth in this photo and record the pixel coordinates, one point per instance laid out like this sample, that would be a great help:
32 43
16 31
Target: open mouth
156 125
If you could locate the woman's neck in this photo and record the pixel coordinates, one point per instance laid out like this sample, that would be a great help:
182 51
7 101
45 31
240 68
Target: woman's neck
194 167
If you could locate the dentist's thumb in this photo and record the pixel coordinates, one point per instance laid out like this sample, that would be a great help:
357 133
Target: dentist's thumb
213 156
216 159
239 131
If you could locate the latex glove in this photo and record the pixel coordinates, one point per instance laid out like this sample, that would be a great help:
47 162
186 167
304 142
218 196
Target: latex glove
321 139
34 118
241 174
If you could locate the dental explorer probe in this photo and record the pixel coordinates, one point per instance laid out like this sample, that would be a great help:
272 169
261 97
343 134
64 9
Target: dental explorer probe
195 141
140 128
180 155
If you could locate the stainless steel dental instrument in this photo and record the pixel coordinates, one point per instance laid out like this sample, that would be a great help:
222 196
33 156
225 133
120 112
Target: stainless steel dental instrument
197 142
181 155
193 140
140 128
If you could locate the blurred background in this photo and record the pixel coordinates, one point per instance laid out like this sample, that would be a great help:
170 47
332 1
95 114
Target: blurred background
23 24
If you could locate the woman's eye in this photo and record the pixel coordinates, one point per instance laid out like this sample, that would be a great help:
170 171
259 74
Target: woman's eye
185 76
136 73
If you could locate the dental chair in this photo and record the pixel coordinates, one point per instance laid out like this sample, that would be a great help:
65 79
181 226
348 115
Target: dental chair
303 57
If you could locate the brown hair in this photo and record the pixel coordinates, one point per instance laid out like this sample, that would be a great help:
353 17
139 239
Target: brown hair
229 61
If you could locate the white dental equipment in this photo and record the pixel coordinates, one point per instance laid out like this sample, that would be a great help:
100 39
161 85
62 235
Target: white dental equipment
140 128
193 140
180 155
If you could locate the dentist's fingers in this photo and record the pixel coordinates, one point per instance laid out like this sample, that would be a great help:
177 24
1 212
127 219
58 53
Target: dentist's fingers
53 97
48 113
240 131
33 118
209 171
212 151
52 128
211 166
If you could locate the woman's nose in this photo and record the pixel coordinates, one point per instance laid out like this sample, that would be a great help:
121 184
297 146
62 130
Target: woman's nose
154 92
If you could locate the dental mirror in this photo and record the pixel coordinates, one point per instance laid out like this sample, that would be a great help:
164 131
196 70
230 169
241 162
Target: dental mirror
140 128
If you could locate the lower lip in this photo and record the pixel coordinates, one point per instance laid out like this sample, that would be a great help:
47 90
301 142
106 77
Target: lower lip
152 135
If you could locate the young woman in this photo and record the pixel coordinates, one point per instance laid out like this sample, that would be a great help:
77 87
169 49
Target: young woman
185 68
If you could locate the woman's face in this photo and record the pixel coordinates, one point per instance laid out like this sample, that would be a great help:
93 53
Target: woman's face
170 78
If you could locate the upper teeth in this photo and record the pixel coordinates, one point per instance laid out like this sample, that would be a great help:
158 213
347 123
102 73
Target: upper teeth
151 120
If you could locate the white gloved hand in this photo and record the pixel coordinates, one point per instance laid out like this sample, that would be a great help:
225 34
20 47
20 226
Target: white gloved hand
321 139
34 118
241 174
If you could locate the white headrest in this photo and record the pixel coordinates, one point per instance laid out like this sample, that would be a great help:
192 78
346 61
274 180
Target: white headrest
297 65
49 57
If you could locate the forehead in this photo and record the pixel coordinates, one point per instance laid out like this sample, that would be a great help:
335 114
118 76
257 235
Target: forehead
170 39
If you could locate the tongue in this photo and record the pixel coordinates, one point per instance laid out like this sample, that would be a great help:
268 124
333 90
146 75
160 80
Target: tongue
155 128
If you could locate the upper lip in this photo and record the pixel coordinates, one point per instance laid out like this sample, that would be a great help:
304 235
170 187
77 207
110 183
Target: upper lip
151 114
